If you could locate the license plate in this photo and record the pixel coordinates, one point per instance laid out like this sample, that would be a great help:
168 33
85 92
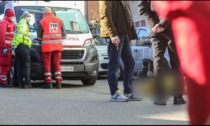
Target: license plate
67 68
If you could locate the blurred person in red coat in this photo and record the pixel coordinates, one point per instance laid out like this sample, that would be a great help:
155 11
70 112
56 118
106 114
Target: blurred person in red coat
190 23
7 28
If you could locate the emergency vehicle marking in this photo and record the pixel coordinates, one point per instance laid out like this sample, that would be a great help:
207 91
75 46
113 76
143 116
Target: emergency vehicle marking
53 27
72 38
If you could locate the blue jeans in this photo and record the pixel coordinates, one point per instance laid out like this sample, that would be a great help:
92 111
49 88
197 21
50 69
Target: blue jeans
124 53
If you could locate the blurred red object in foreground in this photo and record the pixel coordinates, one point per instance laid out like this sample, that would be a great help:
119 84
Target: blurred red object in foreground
190 23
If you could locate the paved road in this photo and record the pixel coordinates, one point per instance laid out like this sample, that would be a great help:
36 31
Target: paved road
76 104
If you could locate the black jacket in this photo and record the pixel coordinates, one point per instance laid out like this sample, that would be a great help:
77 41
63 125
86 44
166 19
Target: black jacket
146 9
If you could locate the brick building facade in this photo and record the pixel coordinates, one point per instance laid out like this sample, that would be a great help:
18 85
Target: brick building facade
93 9
93 12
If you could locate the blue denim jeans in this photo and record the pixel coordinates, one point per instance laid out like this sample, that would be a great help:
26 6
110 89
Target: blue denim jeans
124 53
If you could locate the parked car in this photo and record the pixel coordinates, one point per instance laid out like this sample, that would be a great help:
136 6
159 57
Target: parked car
143 53
141 49
101 46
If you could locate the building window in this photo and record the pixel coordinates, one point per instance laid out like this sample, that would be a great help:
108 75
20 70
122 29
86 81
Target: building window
143 23
137 24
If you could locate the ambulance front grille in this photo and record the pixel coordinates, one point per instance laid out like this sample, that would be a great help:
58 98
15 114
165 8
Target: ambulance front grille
73 54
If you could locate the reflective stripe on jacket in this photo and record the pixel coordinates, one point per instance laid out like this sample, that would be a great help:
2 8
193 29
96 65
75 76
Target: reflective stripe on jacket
52 33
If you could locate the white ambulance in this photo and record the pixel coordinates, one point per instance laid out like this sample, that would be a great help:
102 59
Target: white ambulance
79 58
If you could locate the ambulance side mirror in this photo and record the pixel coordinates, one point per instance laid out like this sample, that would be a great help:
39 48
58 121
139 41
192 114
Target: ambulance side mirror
93 31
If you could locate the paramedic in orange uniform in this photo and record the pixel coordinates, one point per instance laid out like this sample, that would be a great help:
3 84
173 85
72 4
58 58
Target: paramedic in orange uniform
51 31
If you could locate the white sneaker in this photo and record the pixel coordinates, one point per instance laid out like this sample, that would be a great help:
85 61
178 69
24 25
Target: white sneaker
119 97
133 97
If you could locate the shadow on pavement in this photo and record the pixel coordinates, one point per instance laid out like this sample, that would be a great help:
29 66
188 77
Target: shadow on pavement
150 121
102 77
38 85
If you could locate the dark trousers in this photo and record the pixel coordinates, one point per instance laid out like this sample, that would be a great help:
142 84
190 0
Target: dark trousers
123 52
161 42
23 59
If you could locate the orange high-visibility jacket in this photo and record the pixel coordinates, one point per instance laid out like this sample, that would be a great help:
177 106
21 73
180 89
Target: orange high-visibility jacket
52 33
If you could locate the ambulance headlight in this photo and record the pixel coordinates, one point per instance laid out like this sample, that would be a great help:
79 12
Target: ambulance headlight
89 42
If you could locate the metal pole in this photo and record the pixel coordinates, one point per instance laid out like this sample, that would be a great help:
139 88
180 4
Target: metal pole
87 18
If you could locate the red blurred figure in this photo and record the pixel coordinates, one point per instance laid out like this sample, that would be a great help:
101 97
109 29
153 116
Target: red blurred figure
190 23
7 28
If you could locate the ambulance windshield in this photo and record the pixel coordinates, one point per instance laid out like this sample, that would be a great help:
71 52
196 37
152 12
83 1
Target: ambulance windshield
73 19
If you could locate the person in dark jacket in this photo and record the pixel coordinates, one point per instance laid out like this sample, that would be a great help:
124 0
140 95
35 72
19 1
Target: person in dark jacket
162 39
118 28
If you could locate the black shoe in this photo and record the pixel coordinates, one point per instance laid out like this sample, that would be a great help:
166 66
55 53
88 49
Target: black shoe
25 86
1 85
47 86
58 85
20 85
30 86
179 101
160 102
6 86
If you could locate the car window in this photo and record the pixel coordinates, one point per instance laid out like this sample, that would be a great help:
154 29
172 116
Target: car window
101 41
2 6
143 37
73 19
36 15
137 31
143 32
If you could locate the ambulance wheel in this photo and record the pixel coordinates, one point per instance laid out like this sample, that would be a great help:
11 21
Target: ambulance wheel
89 81
150 74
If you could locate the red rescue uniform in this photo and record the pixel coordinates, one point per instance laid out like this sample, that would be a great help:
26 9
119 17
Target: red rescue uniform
7 28
190 23
51 35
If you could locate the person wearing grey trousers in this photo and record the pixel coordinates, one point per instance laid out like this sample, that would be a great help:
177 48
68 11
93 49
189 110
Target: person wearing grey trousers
162 39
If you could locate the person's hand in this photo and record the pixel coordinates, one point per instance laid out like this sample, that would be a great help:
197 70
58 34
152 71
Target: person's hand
13 52
131 42
5 51
115 40
157 28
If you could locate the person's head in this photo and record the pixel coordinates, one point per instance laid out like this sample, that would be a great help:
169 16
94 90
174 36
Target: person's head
26 15
10 14
46 10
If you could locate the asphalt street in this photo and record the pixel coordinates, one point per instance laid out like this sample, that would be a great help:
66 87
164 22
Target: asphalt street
82 105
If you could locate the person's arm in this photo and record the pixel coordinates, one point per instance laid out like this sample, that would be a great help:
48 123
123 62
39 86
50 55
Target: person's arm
133 34
171 9
164 8
2 35
107 18
164 23
144 9
40 32
151 15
